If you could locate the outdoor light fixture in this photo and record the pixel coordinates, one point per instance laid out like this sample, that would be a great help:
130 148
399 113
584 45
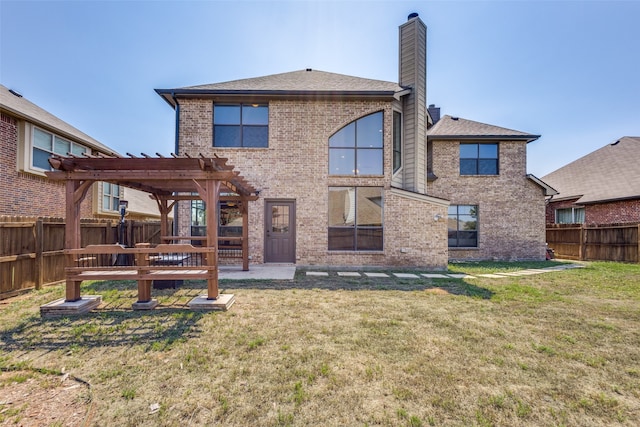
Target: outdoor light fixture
437 217
122 207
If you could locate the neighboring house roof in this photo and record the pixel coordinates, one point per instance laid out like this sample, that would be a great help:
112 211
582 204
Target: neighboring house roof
20 107
296 83
609 173
449 127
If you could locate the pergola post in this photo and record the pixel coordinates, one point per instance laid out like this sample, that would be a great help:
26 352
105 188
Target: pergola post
211 202
75 192
164 207
244 207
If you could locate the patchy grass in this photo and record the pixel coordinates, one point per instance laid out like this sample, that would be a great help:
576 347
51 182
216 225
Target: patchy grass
554 349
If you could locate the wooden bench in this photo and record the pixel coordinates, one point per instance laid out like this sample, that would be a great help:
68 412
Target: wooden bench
142 263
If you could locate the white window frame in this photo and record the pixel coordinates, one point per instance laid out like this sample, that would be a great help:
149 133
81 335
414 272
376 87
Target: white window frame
29 147
574 211
111 197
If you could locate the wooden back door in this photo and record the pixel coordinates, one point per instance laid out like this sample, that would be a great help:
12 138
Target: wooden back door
280 231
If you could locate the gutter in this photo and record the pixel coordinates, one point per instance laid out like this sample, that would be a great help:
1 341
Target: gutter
177 136
167 94
527 138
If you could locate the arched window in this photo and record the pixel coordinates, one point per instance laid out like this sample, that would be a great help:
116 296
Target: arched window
356 149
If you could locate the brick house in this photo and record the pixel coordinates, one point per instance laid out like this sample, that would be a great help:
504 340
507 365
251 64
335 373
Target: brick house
28 135
342 167
497 209
600 188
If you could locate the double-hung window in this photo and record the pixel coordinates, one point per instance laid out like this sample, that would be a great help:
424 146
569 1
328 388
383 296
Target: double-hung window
241 125
110 197
463 226
570 216
356 149
478 159
397 141
355 219
45 144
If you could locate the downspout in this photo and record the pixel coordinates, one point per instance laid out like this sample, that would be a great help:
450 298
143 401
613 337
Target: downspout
177 153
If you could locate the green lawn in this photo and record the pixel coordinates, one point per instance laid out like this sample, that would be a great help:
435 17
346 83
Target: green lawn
553 349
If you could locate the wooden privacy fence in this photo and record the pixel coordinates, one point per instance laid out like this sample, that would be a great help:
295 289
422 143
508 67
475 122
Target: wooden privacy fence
615 242
32 249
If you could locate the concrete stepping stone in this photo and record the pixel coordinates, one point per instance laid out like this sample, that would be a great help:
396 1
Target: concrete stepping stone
493 276
317 273
349 274
406 275
459 276
376 274
435 276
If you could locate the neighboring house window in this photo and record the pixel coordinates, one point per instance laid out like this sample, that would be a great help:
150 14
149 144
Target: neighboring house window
356 149
355 219
570 216
241 125
397 141
463 226
46 143
478 159
110 197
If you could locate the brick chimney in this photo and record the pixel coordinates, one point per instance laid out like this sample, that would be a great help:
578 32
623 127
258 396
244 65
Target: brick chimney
413 74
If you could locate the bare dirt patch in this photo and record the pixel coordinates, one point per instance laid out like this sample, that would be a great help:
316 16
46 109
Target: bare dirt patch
33 399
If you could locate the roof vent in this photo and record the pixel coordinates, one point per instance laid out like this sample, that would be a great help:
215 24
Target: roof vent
454 118
15 93
616 143
412 15
308 69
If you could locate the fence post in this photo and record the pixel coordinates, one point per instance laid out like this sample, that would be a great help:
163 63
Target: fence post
39 243
583 243
108 233
638 242
129 237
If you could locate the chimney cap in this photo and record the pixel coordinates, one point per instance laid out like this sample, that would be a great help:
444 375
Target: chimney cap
412 15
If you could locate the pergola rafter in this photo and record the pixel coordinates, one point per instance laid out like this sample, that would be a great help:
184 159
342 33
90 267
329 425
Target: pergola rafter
168 180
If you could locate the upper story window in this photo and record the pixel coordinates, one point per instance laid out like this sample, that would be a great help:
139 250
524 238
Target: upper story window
110 197
397 141
463 226
356 149
570 216
46 143
478 159
241 125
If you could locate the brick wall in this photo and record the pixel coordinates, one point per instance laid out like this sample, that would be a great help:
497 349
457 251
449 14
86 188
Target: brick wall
562 204
511 208
24 193
622 211
295 167
618 212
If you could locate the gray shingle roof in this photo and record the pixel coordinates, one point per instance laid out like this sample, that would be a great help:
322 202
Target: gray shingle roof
609 173
449 127
304 80
26 110
300 83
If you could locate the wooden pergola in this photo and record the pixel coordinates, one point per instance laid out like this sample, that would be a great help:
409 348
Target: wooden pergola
167 180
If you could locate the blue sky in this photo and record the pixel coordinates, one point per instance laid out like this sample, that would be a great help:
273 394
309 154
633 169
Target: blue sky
567 70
